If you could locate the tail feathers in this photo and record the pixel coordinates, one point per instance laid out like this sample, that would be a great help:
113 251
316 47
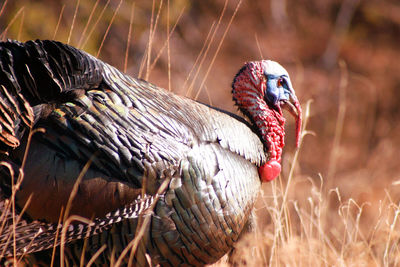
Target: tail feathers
39 72
36 236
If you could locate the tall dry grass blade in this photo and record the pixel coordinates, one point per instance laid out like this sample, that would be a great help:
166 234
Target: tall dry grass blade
112 258
386 258
73 21
258 46
4 33
7 202
53 253
206 41
168 50
208 95
108 28
344 214
128 41
151 39
72 195
66 224
148 259
153 64
26 205
21 25
143 63
82 258
96 23
58 22
96 255
381 222
190 89
273 214
3 7
15 186
75 188
147 53
8 207
343 82
304 227
19 218
218 48
358 231
87 24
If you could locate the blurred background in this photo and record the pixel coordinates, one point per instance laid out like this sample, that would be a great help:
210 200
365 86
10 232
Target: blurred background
342 54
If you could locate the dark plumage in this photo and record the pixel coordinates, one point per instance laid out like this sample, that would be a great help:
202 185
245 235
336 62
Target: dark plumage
148 152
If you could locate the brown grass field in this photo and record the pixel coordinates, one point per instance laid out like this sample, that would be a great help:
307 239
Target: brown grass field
337 200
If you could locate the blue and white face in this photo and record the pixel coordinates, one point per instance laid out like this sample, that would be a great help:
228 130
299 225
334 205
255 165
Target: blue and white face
279 90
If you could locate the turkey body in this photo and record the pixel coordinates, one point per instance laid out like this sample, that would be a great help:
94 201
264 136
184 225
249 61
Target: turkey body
139 152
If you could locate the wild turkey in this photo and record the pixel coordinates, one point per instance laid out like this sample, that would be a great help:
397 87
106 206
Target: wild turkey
142 152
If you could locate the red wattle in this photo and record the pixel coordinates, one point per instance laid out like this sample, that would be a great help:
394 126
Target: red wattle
269 171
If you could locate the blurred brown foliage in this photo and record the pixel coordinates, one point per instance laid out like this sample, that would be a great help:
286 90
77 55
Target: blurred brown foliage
357 125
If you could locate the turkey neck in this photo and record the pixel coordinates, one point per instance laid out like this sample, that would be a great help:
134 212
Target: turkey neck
270 123
271 126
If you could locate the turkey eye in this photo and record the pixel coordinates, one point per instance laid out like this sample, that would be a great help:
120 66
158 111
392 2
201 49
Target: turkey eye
280 82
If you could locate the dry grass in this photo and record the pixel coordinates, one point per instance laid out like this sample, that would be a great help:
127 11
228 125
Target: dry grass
337 201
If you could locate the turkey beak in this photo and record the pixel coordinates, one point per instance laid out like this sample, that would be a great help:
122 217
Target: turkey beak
293 106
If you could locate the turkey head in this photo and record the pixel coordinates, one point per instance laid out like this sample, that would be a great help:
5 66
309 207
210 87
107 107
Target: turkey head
261 89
